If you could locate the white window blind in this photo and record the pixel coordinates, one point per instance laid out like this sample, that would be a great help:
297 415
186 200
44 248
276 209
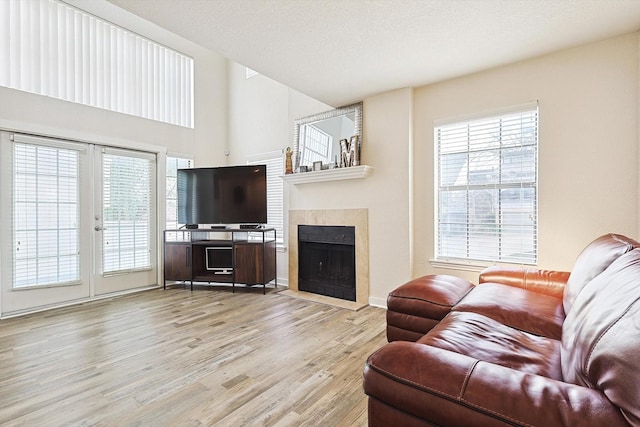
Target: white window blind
126 213
275 191
45 214
173 164
250 73
486 205
50 48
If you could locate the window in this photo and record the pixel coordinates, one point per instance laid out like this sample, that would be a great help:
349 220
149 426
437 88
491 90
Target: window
250 73
126 212
486 207
53 49
173 164
275 190
45 213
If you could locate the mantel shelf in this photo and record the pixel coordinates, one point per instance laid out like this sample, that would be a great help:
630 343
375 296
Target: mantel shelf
353 172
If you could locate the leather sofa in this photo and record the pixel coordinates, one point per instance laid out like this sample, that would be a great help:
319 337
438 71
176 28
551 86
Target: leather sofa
524 347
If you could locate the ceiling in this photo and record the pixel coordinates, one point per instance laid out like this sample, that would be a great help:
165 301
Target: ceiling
341 51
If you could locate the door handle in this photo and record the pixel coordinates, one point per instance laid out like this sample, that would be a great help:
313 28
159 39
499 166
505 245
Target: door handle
99 228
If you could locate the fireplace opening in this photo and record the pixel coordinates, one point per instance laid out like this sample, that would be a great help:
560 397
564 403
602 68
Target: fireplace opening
327 260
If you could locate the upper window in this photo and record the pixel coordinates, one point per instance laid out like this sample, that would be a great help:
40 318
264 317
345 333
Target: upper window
486 206
50 48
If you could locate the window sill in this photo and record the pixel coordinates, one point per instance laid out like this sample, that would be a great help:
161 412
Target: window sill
461 265
471 265
353 172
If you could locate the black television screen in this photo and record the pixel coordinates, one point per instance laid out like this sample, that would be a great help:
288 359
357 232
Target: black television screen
223 195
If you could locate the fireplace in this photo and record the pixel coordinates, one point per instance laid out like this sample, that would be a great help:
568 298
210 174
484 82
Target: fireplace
356 218
327 260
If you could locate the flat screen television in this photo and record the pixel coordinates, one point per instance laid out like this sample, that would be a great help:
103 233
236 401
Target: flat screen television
223 195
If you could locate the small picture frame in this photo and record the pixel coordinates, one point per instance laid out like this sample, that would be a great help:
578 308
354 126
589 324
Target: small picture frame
304 169
317 166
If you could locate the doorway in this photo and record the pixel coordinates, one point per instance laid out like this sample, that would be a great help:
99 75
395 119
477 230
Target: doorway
80 221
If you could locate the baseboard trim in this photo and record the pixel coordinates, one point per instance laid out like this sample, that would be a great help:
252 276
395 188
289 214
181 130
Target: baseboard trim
378 302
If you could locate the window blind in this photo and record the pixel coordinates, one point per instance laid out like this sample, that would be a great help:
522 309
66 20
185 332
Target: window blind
486 206
50 48
275 191
45 213
126 213
173 164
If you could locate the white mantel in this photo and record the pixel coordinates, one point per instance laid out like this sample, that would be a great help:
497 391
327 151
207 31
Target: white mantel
353 172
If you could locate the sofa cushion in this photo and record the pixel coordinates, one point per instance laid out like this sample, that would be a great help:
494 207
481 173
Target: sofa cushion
521 309
592 261
601 336
485 339
418 305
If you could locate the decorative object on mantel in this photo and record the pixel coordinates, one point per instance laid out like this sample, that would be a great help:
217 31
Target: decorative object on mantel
288 162
350 152
320 138
354 147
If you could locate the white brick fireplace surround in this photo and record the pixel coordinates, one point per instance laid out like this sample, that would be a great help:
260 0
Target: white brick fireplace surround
358 218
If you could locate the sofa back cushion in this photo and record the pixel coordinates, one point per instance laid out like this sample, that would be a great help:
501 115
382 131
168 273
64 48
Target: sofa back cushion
593 260
601 336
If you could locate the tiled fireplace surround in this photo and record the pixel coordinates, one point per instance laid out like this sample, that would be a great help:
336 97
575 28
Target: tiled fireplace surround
358 218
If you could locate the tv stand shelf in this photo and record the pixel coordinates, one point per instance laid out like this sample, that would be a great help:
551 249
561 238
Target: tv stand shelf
221 255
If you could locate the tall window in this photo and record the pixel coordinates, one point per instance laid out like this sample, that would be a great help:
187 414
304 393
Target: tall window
173 164
486 205
53 49
275 190
45 214
126 212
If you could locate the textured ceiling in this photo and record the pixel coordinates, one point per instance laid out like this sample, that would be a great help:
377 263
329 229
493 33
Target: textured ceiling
341 51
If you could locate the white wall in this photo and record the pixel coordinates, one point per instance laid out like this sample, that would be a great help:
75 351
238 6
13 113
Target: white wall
588 144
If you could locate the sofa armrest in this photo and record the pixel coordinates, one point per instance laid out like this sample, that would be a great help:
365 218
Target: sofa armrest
542 281
447 389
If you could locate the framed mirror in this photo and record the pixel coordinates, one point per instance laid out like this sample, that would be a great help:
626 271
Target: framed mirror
317 138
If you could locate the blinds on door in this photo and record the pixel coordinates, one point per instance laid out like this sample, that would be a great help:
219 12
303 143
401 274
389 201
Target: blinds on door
126 211
45 212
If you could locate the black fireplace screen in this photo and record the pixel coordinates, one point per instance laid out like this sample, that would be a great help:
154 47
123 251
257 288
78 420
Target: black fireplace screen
327 260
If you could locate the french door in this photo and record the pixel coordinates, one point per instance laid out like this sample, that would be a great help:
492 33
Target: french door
125 220
78 221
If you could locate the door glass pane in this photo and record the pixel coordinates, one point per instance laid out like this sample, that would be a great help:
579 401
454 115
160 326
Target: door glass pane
45 216
126 213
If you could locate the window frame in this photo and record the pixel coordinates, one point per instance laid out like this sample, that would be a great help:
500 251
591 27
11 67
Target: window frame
525 185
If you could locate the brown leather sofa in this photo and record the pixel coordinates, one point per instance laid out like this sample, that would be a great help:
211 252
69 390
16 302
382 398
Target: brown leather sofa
523 348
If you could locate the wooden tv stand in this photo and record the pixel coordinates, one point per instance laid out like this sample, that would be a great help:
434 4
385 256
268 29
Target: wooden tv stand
221 255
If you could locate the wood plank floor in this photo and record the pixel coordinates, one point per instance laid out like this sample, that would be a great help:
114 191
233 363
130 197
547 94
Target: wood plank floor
180 358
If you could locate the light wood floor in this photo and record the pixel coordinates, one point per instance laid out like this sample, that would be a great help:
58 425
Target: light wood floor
181 358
